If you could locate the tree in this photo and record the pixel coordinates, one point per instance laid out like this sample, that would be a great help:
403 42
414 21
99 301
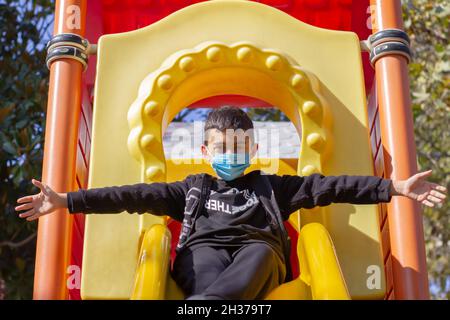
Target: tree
427 22
24 29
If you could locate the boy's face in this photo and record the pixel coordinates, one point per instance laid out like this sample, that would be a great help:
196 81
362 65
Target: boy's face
230 141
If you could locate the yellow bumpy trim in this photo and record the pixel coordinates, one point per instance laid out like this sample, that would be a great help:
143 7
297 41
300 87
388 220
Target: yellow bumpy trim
148 115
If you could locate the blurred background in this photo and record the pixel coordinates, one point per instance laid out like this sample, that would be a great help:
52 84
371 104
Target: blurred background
25 28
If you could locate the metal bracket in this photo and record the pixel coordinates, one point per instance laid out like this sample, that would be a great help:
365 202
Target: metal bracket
386 42
69 45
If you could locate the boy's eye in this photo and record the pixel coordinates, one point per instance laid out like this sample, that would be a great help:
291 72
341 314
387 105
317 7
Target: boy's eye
223 148
219 148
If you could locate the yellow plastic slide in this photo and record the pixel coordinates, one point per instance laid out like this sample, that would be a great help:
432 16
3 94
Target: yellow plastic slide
321 277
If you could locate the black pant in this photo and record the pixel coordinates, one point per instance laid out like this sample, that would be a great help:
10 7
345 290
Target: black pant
249 271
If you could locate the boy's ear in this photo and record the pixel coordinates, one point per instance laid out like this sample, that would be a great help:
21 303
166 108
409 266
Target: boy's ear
205 153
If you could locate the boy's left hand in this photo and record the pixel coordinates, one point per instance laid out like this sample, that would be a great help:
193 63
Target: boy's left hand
417 188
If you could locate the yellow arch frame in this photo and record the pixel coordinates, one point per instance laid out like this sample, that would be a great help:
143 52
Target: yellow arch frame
215 68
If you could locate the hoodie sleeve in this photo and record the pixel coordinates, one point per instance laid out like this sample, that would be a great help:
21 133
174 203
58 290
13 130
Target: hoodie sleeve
295 192
157 198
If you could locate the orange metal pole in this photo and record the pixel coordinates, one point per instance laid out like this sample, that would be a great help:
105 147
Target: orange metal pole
397 134
59 163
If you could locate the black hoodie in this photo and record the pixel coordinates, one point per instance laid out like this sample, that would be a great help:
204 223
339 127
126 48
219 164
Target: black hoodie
233 214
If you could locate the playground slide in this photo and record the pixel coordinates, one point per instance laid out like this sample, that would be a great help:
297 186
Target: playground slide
320 278
188 56
324 100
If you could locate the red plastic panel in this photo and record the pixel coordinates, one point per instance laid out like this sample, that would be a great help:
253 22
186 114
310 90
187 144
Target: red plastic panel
83 151
113 16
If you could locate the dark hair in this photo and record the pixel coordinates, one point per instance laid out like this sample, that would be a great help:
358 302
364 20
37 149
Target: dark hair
227 117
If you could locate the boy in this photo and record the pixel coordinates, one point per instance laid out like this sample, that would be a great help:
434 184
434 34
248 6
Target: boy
232 249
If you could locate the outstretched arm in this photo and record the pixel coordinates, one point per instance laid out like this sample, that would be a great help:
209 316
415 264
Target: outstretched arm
295 192
158 198
155 198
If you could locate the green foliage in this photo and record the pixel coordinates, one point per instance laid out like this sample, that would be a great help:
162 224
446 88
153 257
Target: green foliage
23 98
427 24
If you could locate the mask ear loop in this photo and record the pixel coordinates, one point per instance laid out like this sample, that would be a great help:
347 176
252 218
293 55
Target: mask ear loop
251 155
209 153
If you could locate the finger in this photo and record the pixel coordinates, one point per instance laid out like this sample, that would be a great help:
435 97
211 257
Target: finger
428 203
438 194
25 199
423 174
38 184
27 214
434 199
33 217
421 197
25 206
439 187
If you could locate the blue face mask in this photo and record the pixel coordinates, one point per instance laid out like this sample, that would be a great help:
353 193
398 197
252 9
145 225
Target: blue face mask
229 166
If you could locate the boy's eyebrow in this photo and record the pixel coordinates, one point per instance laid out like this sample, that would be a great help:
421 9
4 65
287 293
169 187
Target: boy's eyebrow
224 143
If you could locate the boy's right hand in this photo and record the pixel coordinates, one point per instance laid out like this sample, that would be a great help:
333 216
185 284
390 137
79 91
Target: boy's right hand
42 203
